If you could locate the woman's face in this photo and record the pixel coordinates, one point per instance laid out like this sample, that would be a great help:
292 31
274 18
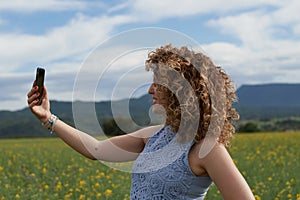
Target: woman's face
157 100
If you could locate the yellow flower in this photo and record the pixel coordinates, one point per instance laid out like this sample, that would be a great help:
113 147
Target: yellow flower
270 179
82 196
81 183
98 195
67 196
102 174
46 187
97 184
257 197
17 196
58 186
80 169
289 196
292 180
44 170
108 192
1 168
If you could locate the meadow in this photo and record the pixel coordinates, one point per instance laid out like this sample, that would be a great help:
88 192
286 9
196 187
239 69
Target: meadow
49 169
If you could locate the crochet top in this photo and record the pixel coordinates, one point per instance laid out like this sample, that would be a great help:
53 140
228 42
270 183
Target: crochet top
162 170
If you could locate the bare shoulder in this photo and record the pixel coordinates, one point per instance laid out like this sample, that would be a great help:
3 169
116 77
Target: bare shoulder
213 151
217 151
216 157
199 164
220 167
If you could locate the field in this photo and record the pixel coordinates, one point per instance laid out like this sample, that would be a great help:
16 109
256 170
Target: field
48 169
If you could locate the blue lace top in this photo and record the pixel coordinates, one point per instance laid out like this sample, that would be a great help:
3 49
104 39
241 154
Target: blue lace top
162 170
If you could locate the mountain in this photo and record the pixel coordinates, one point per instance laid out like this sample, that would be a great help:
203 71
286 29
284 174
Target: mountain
259 102
22 123
268 101
270 95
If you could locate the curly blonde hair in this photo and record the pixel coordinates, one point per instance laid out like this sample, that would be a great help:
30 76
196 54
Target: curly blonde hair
197 94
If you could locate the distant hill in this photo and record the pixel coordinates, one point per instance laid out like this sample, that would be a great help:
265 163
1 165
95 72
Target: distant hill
270 95
22 123
268 101
259 102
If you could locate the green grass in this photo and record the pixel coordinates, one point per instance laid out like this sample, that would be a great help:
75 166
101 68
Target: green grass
270 164
48 169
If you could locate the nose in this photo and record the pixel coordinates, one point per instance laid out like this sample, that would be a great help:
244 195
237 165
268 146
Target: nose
151 89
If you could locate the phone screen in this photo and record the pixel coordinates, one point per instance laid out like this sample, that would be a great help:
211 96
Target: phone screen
39 81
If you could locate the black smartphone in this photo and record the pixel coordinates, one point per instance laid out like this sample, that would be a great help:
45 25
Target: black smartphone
39 81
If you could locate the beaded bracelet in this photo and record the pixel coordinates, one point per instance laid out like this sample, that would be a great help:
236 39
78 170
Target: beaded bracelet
49 124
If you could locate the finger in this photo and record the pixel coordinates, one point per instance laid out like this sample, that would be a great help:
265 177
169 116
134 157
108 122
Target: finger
32 98
32 103
32 91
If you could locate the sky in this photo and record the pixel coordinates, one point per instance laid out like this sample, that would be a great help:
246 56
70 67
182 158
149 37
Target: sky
95 50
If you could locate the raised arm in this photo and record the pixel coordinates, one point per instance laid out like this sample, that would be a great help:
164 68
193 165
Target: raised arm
225 175
116 149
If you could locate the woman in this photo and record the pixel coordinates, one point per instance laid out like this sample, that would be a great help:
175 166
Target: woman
181 158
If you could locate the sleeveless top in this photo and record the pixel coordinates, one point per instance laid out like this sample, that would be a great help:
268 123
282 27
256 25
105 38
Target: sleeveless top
162 170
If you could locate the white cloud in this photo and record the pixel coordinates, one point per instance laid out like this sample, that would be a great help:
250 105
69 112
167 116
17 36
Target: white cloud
14 88
61 50
119 7
260 26
74 39
266 46
46 5
296 29
288 13
226 54
277 60
260 55
149 10
251 28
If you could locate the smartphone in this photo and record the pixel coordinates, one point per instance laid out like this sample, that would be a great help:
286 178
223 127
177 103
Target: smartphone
39 81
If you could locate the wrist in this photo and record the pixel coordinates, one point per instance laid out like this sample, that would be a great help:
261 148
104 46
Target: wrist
45 118
50 122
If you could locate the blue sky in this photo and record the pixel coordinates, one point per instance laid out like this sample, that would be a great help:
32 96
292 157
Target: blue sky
256 42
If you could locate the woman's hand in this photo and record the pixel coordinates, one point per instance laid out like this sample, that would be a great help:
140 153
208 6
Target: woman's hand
42 112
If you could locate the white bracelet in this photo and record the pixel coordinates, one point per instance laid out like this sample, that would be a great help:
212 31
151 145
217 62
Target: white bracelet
49 124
